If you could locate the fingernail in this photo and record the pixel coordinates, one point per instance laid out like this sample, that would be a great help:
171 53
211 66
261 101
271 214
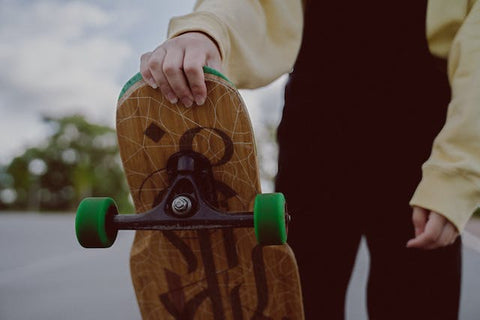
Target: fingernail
199 100
187 102
172 98
152 83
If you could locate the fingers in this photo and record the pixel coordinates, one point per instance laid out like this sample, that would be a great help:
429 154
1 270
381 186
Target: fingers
448 235
214 62
152 65
145 70
192 66
419 219
176 67
438 232
173 71
429 236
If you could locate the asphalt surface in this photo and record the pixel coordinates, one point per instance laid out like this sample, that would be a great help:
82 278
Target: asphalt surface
45 274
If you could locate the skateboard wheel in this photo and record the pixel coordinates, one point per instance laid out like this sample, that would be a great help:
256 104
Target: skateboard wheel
94 222
269 219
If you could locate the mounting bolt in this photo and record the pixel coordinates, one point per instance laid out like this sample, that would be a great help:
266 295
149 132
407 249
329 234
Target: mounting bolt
181 205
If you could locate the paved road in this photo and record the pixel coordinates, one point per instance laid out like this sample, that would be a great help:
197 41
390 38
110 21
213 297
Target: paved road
45 274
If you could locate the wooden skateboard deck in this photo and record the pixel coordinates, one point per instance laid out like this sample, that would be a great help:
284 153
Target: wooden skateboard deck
201 274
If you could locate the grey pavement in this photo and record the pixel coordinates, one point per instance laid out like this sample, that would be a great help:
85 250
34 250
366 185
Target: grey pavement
45 274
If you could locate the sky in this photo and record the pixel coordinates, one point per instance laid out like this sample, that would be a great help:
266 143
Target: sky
67 57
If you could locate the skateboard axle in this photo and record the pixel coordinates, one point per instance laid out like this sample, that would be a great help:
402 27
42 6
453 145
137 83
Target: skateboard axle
188 202
181 205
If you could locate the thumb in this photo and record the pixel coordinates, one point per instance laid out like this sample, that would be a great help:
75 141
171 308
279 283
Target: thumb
215 64
419 219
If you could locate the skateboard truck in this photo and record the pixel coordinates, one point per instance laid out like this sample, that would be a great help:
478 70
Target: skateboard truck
188 204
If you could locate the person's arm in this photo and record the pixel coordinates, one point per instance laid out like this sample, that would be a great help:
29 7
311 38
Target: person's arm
450 186
251 42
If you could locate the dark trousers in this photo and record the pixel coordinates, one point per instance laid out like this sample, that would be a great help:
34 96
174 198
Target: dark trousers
349 163
402 283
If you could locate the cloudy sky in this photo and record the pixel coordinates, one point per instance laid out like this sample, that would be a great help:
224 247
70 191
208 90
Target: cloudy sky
64 57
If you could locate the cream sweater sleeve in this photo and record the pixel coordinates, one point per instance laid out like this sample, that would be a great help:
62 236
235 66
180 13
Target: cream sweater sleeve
258 40
451 176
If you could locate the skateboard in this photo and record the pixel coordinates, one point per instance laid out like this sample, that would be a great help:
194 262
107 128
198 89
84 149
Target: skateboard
209 244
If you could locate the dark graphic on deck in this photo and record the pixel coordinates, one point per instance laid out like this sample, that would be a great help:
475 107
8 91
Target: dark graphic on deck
174 299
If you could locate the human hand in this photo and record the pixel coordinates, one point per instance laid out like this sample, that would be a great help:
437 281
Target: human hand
176 67
432 230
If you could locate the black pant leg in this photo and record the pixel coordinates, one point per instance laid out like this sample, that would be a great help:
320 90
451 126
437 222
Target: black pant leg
408 283
325 256
412 283
324 234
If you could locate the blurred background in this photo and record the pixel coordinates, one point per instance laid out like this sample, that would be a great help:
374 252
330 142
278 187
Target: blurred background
62 65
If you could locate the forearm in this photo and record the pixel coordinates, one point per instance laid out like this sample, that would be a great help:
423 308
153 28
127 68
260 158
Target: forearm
451 176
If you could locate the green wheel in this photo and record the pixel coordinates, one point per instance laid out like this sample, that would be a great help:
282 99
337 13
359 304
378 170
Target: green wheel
269 219
94 222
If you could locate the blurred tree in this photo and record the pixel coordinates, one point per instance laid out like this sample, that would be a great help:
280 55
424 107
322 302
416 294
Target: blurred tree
78 160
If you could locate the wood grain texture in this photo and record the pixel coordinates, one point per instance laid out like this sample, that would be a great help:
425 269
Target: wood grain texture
219 274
